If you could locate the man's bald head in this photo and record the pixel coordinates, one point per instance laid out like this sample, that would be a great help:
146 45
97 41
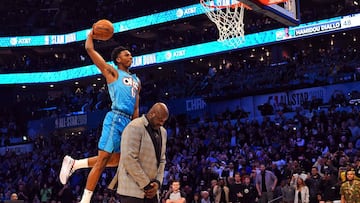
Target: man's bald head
157 115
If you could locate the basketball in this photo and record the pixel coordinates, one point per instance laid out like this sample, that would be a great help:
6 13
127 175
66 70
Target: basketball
103 30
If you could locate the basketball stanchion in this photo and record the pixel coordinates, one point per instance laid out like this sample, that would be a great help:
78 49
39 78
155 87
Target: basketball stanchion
228 17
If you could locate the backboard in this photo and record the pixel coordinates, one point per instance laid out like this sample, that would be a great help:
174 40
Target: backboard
286 12
228 15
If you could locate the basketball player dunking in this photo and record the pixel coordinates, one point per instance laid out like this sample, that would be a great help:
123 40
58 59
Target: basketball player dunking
124 89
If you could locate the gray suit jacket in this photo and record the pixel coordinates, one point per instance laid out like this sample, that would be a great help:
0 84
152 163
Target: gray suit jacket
138 163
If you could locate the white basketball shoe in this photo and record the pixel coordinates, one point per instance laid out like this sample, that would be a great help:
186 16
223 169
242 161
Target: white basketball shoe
66 169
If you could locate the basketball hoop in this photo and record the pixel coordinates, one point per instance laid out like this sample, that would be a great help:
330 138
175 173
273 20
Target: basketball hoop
228 16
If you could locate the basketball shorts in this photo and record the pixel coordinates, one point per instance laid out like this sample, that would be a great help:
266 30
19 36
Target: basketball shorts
113 125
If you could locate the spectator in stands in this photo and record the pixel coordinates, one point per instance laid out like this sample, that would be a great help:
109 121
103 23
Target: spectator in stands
45 193
313 181
175 194
320 164
205 197
221 192
229 170
350 189
235 189
248 191
287 191
266 182
301 190
14 196
196 198
329 187
22 192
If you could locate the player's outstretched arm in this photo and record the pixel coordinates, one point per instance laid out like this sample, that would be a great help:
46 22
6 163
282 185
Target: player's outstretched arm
106 69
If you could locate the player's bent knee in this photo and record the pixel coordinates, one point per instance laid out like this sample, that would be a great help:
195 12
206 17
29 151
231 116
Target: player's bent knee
102 161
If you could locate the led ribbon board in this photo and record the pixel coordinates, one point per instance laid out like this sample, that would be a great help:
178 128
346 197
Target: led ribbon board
251 40
122 26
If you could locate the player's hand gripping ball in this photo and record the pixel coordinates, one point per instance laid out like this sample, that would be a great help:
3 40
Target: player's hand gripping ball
103 30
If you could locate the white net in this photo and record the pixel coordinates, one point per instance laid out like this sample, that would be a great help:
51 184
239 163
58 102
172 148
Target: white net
229 19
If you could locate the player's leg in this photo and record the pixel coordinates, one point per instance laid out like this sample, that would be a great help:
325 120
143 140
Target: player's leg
70 165
113 161
109 143
94 175
110 135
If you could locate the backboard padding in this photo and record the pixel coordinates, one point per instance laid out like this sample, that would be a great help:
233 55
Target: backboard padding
287 14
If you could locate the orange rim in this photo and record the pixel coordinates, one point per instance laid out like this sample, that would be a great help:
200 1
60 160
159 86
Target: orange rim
222 7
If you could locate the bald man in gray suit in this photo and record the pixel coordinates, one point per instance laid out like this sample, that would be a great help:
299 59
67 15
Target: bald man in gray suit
142 163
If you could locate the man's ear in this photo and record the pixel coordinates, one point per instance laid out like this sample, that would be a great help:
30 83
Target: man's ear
152 114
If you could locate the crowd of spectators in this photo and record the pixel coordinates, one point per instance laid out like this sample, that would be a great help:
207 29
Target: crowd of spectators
199 153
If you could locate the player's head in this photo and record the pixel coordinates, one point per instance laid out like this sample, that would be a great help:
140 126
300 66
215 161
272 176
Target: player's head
121 55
